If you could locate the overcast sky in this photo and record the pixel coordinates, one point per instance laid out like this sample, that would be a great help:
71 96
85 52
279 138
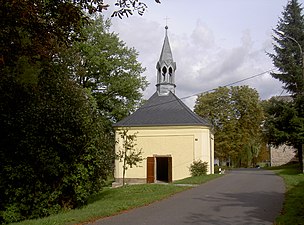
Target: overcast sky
214 42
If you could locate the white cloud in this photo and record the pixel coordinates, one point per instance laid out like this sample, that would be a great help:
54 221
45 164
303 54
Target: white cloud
202 36
205 58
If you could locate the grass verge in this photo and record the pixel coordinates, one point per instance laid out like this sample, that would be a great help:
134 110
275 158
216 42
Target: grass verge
197 180
293 207
113 201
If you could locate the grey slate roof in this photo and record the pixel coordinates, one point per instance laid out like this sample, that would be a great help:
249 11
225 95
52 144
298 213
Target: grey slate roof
163 110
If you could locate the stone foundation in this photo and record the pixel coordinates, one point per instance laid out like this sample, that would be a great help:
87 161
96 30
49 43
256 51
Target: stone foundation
118 181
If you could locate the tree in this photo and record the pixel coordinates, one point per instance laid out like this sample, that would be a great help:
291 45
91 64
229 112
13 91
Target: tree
127 7
288 58
236 115
108 67
55 151
216 106
35 30
55 146
282 124
128 154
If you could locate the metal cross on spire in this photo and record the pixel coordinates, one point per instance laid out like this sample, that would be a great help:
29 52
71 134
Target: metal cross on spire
166 22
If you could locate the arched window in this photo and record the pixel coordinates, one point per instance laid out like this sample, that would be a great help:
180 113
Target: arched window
170 74
164 72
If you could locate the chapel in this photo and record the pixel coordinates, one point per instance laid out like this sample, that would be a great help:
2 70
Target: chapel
170 135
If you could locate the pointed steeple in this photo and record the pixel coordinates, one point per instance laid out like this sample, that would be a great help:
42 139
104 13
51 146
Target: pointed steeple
166 69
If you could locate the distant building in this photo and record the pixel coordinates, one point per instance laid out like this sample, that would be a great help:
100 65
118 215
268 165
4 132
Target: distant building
170 135
282 154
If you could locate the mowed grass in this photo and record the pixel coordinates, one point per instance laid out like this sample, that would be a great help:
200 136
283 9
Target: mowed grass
293 208
114 201
198 179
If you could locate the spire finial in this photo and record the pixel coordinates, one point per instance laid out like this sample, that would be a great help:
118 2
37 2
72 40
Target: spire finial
166 27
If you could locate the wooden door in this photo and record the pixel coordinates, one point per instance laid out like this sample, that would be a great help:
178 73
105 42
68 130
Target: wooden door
169 169
150 170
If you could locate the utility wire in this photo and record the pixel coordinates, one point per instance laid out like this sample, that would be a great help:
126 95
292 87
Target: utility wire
204 92
281 93
230 84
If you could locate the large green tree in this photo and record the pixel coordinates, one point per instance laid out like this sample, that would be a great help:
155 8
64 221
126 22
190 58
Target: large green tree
34 30
103 63
282 125
54 144
55 151
236 115
288 58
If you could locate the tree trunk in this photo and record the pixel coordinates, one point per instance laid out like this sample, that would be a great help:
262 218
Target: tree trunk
124 172
124 163
301 158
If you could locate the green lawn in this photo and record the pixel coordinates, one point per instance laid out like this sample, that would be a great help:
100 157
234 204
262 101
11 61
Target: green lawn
113 201
197 180
293 209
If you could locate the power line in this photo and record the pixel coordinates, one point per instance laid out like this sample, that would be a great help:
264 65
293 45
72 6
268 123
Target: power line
230 84
281 93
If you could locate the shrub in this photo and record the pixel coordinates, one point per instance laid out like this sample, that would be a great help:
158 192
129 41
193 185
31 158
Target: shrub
55 154
198 168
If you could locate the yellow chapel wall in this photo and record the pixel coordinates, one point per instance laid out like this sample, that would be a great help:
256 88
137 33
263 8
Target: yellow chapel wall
183 144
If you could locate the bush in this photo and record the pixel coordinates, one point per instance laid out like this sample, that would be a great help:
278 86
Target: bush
198 168
55 151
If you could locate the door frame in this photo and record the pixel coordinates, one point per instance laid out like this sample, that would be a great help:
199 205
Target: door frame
151 168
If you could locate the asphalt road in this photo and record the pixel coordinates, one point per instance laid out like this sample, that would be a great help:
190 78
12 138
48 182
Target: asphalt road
244 196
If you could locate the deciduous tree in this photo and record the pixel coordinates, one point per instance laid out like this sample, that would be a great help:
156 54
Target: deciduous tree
103 63
128 154
236 115
55 151
55 147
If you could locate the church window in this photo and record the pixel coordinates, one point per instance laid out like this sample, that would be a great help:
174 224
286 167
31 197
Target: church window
164 72
170 74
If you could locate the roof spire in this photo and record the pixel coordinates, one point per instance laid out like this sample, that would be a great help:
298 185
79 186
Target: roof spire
166 54
166 68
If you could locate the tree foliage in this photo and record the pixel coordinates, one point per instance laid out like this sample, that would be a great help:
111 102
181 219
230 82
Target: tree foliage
56 147
283 125
288 58
103 63
128 7
37 29
236 115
